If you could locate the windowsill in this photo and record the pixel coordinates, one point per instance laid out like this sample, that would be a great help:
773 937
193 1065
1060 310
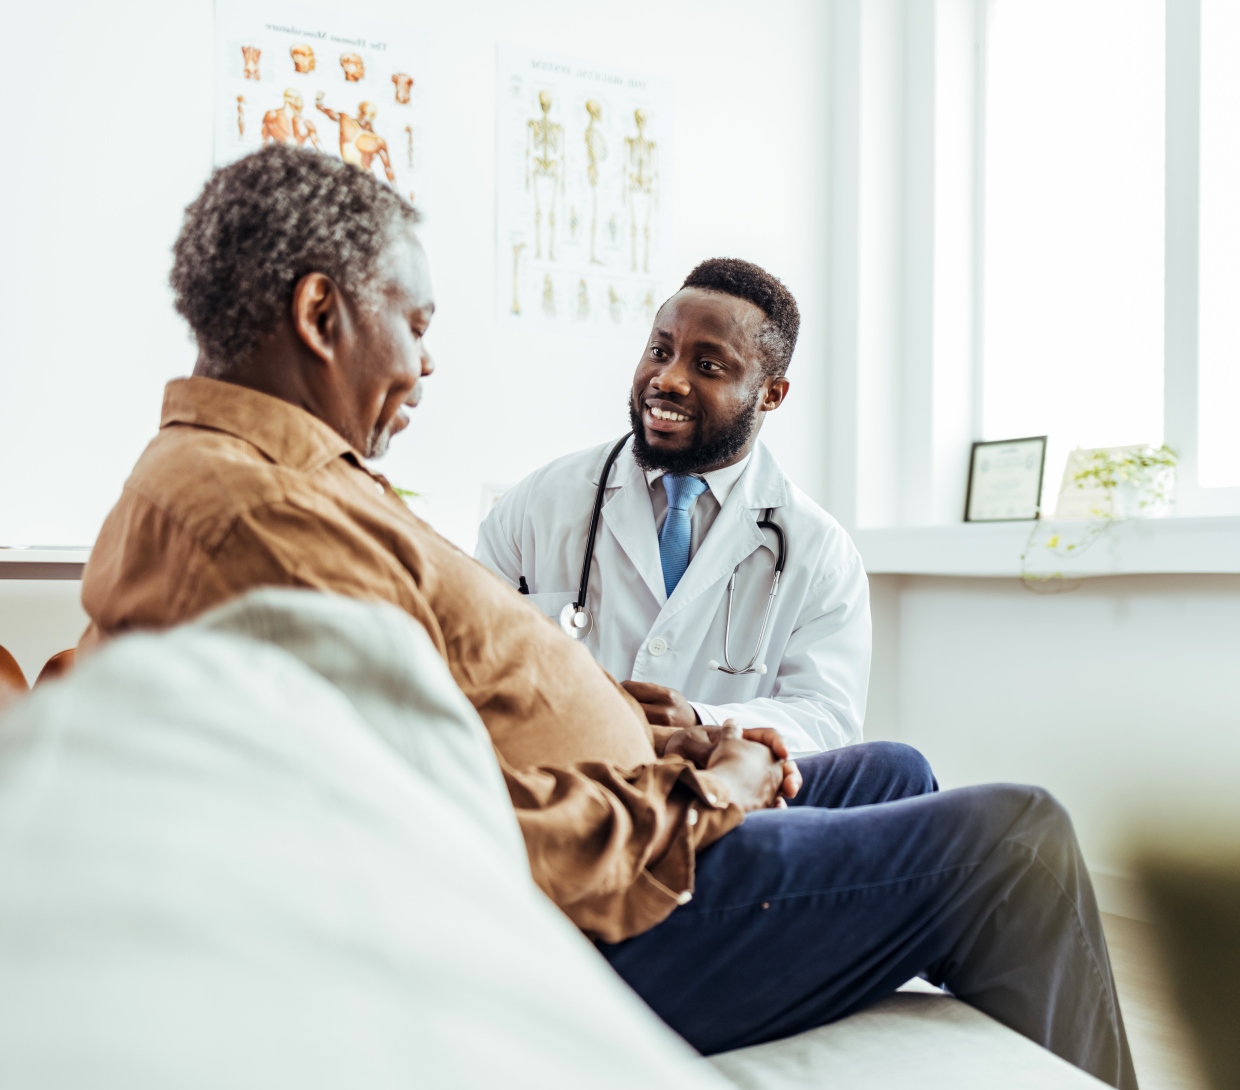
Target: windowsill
981 550
43 563
993 550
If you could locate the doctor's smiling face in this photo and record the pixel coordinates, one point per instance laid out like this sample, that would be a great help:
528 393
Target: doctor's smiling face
714 364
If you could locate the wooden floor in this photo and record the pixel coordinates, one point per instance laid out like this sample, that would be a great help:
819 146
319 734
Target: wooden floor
1159 1042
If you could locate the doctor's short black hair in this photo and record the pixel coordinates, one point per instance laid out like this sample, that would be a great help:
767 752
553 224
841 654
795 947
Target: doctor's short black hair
751 282
262 223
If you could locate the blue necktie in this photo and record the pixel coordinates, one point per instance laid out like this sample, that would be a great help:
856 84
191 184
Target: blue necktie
676 532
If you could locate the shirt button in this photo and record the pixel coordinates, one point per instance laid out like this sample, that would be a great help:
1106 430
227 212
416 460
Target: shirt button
379 487
684 898
692 817
657 646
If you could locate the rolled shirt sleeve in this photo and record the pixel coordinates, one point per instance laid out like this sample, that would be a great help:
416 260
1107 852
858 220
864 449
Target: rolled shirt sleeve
589 830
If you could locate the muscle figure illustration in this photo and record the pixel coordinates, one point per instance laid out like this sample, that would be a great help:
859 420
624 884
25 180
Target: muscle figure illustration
241 115
409 144
404 84
359 143
596 152
287 125
545 166
354 67
249 56
303 57
641 185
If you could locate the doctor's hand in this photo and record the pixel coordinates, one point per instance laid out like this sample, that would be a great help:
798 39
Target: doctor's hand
698 744
752 773
664 707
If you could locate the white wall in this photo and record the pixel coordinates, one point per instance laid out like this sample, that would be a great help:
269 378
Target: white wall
1122 697
38 619
89 218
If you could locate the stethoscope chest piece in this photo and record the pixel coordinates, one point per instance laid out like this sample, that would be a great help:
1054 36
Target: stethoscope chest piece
576 622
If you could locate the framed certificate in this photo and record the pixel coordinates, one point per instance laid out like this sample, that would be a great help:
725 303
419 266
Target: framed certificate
1005 480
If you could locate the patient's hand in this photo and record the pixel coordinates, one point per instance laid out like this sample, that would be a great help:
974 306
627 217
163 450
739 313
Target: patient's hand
664 707
752 772
698 744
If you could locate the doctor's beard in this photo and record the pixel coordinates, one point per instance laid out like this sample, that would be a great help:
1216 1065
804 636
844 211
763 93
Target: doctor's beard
706 451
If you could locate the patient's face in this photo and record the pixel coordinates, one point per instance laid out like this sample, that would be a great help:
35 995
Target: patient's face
390 358
699 388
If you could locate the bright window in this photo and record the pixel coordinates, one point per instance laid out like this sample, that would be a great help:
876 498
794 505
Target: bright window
1219 254
1073 191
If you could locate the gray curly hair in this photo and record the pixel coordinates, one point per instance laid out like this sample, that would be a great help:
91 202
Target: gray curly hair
260 225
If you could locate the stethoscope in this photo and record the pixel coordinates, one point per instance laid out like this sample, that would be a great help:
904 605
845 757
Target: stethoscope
577 622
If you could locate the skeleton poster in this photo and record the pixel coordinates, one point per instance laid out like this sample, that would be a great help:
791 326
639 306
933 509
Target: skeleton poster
583 208
347 87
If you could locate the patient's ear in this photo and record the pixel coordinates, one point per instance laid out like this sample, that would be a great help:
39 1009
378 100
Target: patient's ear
318 314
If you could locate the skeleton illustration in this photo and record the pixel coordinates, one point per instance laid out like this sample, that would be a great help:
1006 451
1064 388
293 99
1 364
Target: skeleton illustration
287 125
249 56
615 307
516 267
596 152
641 185
548 297
303 57
546 139
583 301
404 84
240 115
409 143
648 307
359 143
354 67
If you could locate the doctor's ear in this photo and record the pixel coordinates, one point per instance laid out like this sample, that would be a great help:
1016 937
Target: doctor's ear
773 396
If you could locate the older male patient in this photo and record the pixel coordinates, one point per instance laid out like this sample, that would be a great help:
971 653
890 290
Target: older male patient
738 919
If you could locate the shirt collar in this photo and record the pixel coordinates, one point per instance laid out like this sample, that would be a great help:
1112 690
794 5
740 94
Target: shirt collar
719 481
288 435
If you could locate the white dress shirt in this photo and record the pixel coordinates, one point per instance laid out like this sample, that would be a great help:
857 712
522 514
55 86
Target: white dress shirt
704 510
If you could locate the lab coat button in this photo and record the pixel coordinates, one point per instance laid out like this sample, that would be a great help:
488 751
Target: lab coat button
657 646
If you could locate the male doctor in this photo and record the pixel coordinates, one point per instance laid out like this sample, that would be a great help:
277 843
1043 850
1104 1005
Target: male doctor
681 508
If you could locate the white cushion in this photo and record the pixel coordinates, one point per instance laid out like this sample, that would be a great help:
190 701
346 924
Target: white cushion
219 869
930 1042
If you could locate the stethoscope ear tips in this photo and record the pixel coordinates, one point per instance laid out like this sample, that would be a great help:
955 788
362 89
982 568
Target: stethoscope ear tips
761 668
712 665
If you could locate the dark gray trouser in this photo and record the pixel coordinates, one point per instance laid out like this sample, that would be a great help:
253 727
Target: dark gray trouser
802 916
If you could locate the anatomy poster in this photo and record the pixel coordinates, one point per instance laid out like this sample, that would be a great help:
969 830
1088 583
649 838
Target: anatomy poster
584 185
349 87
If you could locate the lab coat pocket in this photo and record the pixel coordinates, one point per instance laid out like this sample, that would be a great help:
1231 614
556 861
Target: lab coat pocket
551 602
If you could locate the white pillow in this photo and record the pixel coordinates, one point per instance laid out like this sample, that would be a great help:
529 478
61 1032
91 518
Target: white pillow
217 869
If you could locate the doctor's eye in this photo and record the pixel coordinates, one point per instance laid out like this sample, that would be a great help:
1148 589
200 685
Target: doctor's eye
657 352
710 365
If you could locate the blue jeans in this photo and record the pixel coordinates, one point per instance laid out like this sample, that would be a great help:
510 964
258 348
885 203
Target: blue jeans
802 916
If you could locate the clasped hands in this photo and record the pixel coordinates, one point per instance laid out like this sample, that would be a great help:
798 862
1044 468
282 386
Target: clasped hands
753 763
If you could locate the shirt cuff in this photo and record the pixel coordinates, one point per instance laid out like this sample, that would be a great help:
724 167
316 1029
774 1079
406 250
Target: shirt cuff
706 714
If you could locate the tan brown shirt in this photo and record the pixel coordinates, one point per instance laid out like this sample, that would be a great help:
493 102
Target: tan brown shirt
240 490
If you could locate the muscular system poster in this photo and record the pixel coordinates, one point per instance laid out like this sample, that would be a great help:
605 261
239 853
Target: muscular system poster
348 87
583 166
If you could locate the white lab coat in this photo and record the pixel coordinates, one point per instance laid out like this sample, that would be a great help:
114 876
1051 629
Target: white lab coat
817 644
